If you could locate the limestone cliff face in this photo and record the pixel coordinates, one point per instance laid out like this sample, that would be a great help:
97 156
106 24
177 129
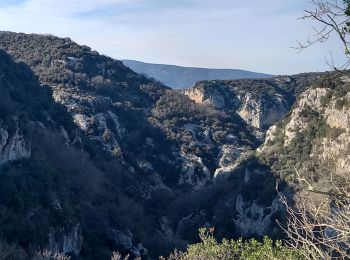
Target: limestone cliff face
261 113
104 126
335 153
337 112
334 148
313 139
311 99
256 220
319 122
202 96
194 172
12 145
230 158
260 102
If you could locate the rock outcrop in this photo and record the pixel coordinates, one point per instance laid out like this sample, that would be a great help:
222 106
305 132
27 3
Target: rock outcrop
256 220
319 124
229 160
202 97
309 100
194 172
263 113
13 146
260 103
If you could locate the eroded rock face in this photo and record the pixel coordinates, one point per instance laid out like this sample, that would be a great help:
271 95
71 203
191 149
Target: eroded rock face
338 116
260 103
166 228
321 121
311 99
335 153
13 146
200 96
194 172
334 149
229 156
270 134
253 219
189 221
261 113
104 127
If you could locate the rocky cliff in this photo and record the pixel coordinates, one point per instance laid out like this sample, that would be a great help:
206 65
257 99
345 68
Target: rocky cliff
110 160
13 146
260 103
314 137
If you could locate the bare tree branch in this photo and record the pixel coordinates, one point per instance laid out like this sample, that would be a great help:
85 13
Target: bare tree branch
334 20
319 222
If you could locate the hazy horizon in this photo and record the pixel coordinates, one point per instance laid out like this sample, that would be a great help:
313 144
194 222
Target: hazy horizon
223 34
176 65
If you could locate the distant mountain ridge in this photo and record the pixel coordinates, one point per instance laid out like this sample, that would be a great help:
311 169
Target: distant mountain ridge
179 77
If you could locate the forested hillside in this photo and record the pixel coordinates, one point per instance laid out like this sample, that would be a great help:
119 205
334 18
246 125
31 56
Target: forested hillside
96 158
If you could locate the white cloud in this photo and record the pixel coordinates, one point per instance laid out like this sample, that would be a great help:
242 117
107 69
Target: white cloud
247 34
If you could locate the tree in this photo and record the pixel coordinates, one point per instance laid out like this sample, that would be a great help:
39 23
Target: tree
334 18
319 221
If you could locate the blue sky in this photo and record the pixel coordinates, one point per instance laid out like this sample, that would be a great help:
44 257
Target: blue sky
254 35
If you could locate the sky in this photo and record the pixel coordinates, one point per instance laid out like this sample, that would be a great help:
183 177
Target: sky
255 35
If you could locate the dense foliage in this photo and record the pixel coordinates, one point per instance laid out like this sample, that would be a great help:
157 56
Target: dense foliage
61 62
209 248
119 179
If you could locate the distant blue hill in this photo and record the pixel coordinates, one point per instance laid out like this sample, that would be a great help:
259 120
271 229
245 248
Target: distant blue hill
182 77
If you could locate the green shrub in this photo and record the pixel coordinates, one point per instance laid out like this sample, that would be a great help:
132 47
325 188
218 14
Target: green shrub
210 249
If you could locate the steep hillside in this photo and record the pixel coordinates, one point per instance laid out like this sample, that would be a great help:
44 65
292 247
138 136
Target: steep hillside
183 77
314 138
58 189
310 138
109 223
25 108
309 148
107 100
146 126
125 163
260 102
36 196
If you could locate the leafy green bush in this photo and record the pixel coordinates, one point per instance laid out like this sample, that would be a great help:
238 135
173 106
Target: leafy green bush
210 249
